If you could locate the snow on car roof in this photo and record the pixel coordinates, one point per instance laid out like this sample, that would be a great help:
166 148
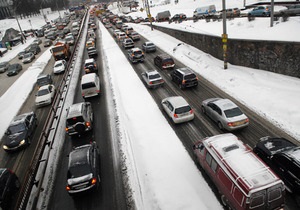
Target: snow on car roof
177 101
88 77
75 109
239 160
225 104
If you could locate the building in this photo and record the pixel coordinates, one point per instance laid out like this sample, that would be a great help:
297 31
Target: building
5 9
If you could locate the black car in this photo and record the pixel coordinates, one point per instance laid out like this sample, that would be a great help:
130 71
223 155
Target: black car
14 69
135 55
282 156
9 185
164 61
34 48
178 17
48 43
184 77
39 33
20 131
83 169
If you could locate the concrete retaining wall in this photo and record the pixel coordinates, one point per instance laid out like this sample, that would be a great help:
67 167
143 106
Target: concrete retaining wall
274 56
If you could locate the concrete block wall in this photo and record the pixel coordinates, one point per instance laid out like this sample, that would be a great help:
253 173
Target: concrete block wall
274 56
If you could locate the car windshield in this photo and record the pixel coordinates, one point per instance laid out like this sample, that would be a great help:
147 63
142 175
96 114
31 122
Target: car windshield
79 169
190 76
138 52
43 92
88 85
183 109
42 81
58 64
233 112
16 128
74 120
150 44
154 76
28 55
2 65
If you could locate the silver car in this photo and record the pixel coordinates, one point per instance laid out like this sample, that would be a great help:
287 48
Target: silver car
28 57
4 66
225 113
178 109
152 79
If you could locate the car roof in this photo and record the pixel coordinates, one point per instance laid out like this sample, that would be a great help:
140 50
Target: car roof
20 118
90 60
88 77
274 145
177 101
152 72
185 70
75 110
80 155
225 104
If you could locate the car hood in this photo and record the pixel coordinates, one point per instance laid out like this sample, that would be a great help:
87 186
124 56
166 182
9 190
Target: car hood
42 98
15 139
77 180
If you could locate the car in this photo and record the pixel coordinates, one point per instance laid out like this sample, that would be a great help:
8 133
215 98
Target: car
135 55
178 17
66 30
127 43
177 109
45 95
70 39
47 42
121 36
184 77
51 35
152 79
14 69
4 66
90 43
37 41
83 169
291 10
61 34
90 66
115 32
93 26
75 31
28 58
79 118
20 131
107 25
92 52
39 33
35 49
44 79
90 85
148 47
59 66
260 11
225 113
164 61
21 54
134 36
9 186
282 156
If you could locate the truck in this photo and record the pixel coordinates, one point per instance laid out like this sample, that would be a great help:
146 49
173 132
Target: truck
61 50
163 16
204 12
243 180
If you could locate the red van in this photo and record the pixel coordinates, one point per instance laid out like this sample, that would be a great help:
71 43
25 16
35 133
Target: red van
242 179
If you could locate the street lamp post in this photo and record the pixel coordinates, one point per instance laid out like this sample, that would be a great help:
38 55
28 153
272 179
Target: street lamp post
224 35
15 13
148 13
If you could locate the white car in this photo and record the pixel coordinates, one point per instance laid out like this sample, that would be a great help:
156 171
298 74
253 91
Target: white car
178 109
45 95
59 66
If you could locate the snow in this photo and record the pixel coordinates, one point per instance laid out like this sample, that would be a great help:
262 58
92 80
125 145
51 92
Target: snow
161 173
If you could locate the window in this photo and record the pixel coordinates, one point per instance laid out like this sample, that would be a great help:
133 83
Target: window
238 196
211 162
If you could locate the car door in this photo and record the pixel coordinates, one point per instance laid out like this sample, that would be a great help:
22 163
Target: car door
167 108
216 115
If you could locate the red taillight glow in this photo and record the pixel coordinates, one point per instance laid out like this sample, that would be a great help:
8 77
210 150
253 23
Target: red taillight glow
88 124
230 124
94 181
191 111
247 120
150 83
97 91
183 81
68 188
175 115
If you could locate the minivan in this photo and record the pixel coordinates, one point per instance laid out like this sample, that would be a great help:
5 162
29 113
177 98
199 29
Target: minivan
90 85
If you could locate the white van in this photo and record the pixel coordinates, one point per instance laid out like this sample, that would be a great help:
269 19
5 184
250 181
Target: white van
90 85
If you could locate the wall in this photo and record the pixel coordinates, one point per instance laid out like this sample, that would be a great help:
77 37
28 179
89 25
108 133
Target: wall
278 57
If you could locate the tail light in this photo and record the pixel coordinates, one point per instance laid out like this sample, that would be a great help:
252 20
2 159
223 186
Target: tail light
191 111
82 94
150 83
88 124
196 78
67 129
183 81
175 115
230 124
68 188
98 91
247 120
93 181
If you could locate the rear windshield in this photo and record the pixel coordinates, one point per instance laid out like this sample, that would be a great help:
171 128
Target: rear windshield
183 109
233 112
168 60
79 170
88 85
138 52
190 76
154 76
74 120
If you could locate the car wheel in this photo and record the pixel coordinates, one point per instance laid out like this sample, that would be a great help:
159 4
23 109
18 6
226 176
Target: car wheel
220 125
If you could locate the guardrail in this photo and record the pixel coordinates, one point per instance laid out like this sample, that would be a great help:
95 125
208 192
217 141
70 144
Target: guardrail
49 131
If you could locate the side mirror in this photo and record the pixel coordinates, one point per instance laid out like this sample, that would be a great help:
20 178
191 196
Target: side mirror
7 132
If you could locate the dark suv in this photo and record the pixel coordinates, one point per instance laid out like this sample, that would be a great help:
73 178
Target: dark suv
83 169
283 157
9 185
20 131
184 77
164 61
135 55
79 118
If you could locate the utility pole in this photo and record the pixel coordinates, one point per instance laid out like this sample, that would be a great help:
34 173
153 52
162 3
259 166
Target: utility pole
15 12
224 35
272 13
148 13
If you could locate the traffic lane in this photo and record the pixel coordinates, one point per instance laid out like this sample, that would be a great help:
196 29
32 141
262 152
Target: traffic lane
110 194
204 126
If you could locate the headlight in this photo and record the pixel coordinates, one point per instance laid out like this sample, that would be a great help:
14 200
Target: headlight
5 147
22 142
